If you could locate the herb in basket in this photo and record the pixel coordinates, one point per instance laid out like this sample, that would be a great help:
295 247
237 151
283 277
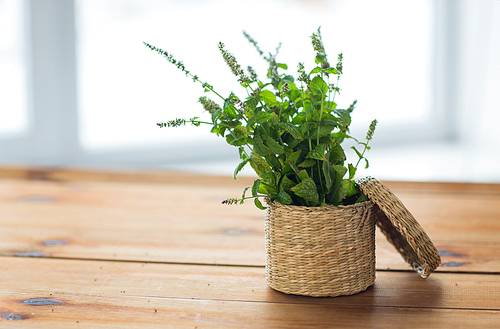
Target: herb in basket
289 130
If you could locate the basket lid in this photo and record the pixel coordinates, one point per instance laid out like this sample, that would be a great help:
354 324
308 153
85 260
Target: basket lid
401 228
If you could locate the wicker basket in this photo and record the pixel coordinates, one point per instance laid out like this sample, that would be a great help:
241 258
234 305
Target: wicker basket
330 251
320 251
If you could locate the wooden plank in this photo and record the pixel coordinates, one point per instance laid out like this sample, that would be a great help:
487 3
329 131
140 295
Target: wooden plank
122 176
234 247
98 311
153 246
445 216
158 222
105 294
392 289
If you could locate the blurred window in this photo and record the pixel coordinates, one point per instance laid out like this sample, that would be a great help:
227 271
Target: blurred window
125 89
97 104
13 91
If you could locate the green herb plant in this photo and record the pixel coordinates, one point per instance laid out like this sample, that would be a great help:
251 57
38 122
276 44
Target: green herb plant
288 130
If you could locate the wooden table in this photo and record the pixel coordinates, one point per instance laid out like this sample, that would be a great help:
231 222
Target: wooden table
101 250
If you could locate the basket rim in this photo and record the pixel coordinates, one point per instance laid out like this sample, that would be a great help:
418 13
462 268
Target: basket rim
329 206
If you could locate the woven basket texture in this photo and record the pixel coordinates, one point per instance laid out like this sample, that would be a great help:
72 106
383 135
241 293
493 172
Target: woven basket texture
320 251
401 228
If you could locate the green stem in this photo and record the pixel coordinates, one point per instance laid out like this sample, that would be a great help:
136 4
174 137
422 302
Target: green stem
335 90
362 155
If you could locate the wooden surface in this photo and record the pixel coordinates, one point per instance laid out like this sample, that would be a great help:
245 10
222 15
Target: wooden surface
119 250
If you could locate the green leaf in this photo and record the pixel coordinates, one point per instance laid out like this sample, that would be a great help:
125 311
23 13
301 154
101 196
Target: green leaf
345 185
344 116
327 172
259 146
208 87
303 175
259 165
243 155
290 128
282 65
273 161
341 170
274 119
262 117
317 69
287 183
269 177
259 204
293 157
352 171
284 198
245 192
307 190
252 102
352 189
268 97
307 163
306 126
255 187
336 155
357 152
318 153
240 167
318 86
331 70
238 141
319 59
241 130
273 145
324 130
362 198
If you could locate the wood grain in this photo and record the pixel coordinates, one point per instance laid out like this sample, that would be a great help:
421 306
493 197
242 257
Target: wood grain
96 311
100 293
158 222
107 250
105 278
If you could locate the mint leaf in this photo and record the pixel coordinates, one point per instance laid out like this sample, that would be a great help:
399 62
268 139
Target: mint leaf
240 167
307 190
259 146
307 163
290 128
318 86
284 198
259 164
258 204
268 97
287 183
327 172
352 171
317 69
318 153
341 170
273 145
255 187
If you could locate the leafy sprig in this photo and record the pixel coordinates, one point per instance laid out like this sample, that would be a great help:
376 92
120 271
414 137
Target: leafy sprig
289 131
